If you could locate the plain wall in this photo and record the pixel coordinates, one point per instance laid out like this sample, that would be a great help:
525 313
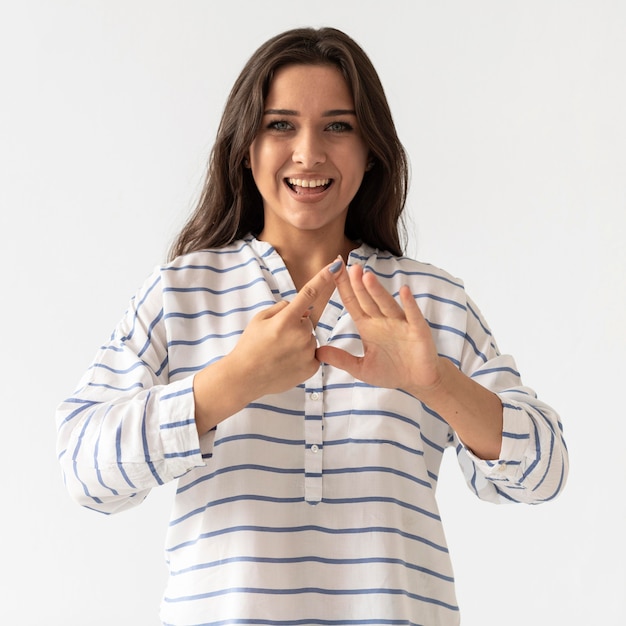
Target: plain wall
513 114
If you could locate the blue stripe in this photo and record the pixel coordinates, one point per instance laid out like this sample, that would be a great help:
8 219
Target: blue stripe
314 559
138 308
95 454
316 590
162 366
134 366
516 435
309 528
382 470
390 414
230 438
242 467
436 415
192 368
345 336
191 316
534 464
180 424
383 499
231 499
197 342
86 404
176 394
216 292
113 388
148 341
113 348
431 296
445 327
414 273
431 444
144 440
118 452
178 455
479 320
210 268
75 462
475 348
357 384
496 370
275 409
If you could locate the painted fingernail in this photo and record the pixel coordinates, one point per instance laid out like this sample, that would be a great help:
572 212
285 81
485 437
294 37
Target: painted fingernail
335 267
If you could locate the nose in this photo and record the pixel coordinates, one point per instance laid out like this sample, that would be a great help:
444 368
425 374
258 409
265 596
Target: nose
308 149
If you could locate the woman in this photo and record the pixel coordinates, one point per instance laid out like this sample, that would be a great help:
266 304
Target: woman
304 405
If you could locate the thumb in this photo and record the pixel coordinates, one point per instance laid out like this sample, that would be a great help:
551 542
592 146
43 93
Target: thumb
309 293
272 310
339 358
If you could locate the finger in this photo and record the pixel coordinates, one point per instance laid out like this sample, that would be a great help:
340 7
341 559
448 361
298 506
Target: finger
348 297
339 358
305 298
412 311
383 300
272 310
362 294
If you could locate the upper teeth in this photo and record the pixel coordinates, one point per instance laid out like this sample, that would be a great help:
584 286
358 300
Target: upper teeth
298 182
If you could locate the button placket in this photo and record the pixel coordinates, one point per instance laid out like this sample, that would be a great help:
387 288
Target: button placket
313 435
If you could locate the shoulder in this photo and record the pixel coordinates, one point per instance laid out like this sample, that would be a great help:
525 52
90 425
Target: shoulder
405 270
210 263
211 257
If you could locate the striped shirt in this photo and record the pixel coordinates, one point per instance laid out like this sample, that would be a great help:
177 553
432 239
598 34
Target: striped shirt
313 506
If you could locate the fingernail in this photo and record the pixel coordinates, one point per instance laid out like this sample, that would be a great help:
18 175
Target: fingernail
335 267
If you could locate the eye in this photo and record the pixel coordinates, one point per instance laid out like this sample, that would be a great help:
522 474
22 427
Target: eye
280 125
339 127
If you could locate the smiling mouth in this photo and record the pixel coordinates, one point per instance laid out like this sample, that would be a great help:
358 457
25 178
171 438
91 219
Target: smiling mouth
308 187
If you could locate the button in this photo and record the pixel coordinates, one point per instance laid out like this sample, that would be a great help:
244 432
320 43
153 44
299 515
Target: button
315 396
315 448
502 467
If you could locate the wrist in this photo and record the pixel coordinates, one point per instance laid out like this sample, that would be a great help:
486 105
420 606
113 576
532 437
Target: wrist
220 390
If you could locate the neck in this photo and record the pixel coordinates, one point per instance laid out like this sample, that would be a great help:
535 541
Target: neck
305 254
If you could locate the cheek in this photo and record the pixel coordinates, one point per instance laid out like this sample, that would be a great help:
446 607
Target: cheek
265 160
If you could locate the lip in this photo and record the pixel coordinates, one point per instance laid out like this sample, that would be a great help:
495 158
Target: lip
306 193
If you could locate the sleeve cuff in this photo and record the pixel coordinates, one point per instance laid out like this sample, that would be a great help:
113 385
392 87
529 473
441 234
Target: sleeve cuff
179 435
518 449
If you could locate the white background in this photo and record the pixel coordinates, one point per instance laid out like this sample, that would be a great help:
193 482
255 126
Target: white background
514 116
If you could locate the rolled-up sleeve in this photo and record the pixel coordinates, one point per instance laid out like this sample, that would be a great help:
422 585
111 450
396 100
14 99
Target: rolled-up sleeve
128 428
533 462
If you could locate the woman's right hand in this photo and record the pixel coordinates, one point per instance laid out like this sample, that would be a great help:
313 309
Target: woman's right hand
275 352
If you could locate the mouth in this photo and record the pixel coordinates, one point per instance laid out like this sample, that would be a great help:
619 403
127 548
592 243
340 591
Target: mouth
307 187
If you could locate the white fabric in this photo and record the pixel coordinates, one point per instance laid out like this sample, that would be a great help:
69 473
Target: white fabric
315 506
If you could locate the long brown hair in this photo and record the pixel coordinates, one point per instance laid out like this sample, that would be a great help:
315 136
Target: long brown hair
230 205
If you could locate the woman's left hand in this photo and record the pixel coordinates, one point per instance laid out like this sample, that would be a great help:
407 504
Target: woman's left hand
399 350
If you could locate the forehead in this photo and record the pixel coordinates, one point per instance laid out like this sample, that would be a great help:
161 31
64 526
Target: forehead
308 86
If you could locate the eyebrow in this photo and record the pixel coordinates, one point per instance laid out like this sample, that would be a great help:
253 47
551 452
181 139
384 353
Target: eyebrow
330 113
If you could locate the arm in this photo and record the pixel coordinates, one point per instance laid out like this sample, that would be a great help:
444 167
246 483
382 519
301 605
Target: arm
276 352
400 353
510 440
126 428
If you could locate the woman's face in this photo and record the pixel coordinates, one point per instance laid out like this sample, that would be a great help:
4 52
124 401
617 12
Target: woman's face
309 157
